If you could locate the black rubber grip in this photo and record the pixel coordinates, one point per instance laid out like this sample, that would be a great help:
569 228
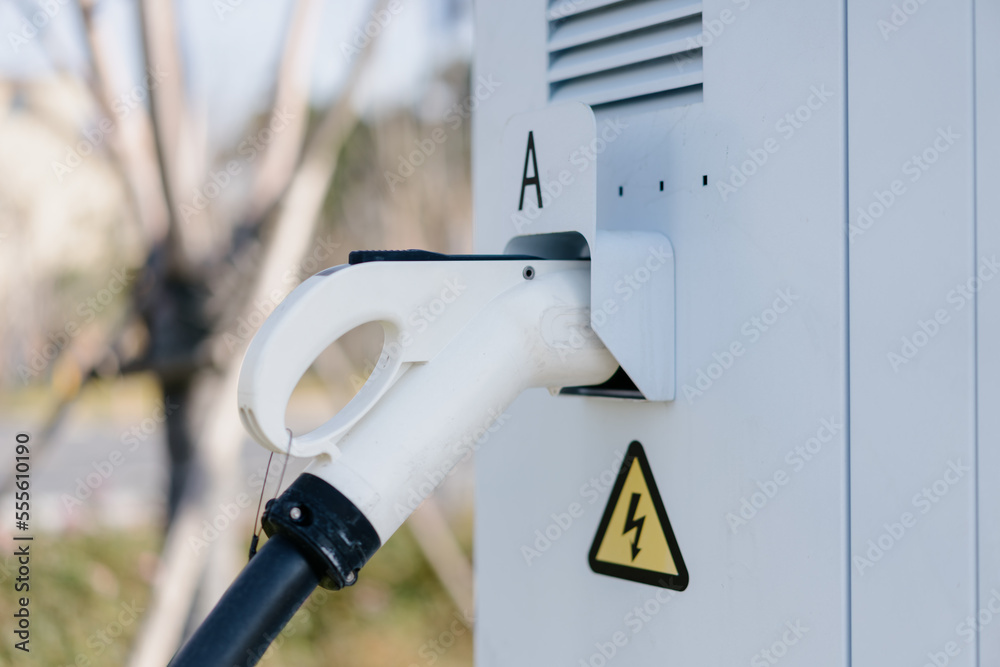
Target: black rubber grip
258 604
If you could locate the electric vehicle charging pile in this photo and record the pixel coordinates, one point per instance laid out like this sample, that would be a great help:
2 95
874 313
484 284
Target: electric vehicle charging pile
773 228
824 174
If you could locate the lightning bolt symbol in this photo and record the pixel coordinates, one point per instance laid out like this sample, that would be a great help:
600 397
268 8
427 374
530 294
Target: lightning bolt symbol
631 522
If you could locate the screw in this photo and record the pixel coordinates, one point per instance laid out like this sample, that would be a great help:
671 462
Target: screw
528 273
350 577
295 513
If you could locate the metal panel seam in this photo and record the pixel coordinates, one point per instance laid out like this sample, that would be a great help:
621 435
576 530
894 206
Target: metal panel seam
849 654
975 337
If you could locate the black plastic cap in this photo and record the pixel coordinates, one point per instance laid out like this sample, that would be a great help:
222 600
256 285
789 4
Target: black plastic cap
326 527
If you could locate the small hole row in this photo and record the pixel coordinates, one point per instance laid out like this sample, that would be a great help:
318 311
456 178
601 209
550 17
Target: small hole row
621 188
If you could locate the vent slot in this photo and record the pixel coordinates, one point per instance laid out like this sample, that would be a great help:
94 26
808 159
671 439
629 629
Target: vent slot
603 51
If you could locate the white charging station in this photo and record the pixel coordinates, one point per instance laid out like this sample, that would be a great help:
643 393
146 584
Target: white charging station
793 221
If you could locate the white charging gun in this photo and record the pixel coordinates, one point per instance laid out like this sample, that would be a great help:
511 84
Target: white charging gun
463 338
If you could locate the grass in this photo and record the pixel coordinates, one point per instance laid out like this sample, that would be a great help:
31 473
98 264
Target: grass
84 587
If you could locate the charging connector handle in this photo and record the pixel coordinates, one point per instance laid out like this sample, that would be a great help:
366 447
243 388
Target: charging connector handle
463 339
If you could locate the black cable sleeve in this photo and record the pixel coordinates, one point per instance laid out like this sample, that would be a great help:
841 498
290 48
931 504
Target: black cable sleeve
251 614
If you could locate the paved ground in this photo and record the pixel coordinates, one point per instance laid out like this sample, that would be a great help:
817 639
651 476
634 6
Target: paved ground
103 470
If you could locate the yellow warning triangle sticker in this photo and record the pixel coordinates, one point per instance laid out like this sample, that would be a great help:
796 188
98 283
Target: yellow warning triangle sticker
634 540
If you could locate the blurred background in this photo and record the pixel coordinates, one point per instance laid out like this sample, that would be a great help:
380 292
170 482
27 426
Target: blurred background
169 171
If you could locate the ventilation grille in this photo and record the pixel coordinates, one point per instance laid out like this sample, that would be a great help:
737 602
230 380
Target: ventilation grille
603 51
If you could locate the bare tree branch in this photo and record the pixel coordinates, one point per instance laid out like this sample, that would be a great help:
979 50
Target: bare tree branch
296 216
81 359
167 114
291 99
129 157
